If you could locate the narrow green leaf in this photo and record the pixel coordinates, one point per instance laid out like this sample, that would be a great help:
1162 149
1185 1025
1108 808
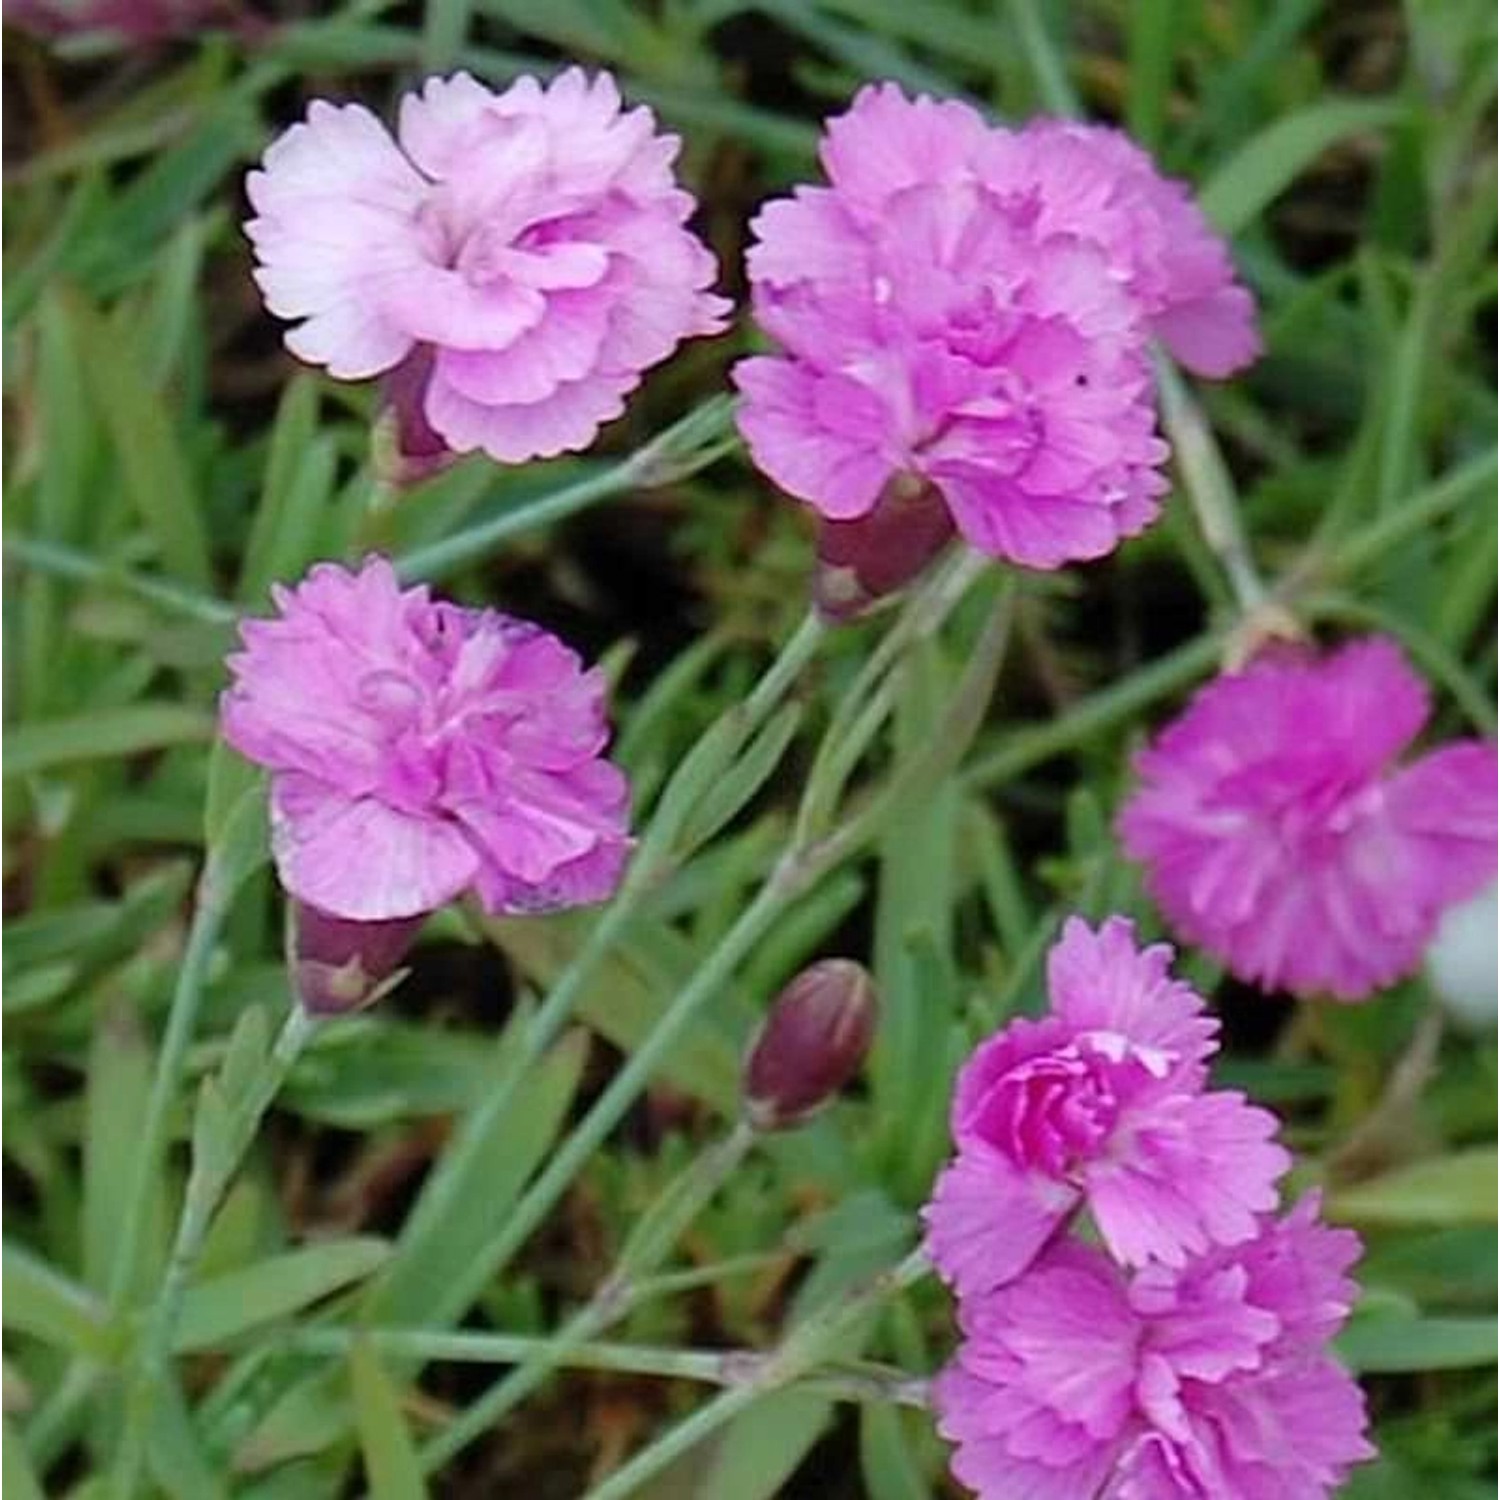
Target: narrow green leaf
241 844
890 1467
86 933
392 1469
732 791
443 1257
233 1304
174 1449
213 1130
119 1085
1403 1345
1271 161
152 466
104 734
295 500
609 29
244 1056
1155 29
39 1301
756 1454
625 999
17 1478
1455 1189
443 33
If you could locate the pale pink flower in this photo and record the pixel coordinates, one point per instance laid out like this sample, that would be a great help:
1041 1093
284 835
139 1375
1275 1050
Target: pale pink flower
936 337
1099 1104
1208 1382
1096 183
1278 833
527 249
419 750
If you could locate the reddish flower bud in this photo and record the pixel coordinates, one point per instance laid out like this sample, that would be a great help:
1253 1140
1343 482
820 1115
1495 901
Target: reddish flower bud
338 965
810 1045
863 560
406 448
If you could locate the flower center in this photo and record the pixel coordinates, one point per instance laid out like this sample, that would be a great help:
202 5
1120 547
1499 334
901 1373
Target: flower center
1053 1111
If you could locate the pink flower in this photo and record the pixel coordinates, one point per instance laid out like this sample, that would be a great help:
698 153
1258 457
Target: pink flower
936 336
1277 834
1090 181
139 21
527 248
1207 1382
1099 1104
419 750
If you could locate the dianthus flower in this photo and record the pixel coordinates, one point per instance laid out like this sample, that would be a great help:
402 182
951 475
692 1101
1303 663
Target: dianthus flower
1099 1104
964 339
525 252
1277 833
1095 182
418 750
139 21
1206 1382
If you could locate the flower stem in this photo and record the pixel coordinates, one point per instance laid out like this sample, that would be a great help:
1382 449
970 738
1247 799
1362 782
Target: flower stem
725 1367
655 1233
1210 490
209 1179
699 439
641 880
795 1359
209 912
67 562
800 867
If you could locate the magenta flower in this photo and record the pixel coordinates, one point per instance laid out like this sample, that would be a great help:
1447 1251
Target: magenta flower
1100 1104
1206 1382
1096 183
525 250
419 750
937 337
1277 833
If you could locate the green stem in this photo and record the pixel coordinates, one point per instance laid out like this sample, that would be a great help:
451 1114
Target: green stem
208 1181
1024 748
209 913
441 558
1210 490
640 882
799 868
656 1232
1415 514
699 439
68 562
791 1363
626 1085
726 1367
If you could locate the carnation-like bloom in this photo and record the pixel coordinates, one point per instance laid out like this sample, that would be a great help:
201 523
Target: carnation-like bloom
419 750
1096 183
525 251
964 315
1209 1382
1278 833
1101 1103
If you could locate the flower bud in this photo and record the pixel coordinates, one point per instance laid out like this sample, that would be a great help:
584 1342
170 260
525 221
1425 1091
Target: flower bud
338 965
810 1045
1462 961
863 560
405 448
